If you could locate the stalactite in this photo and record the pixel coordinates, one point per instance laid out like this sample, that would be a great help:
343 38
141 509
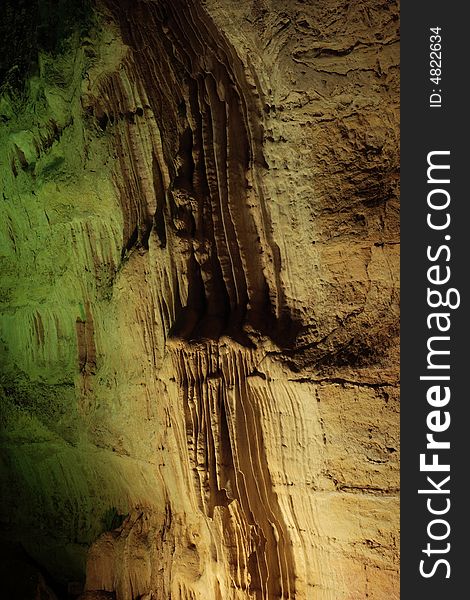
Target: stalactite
199 302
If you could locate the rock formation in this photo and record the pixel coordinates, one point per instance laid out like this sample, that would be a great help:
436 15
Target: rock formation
199 298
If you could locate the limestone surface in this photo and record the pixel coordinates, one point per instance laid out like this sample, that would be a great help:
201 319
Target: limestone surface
199 298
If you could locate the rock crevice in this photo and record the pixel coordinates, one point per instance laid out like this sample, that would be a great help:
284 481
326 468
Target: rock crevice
199 301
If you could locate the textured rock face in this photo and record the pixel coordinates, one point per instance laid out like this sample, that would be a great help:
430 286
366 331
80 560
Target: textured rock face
200 302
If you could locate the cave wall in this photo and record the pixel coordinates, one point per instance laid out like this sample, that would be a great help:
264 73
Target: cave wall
199 300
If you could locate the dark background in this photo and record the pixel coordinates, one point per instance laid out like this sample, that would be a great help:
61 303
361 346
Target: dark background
424 129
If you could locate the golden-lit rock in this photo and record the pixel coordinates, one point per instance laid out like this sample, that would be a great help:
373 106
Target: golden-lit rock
200 302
